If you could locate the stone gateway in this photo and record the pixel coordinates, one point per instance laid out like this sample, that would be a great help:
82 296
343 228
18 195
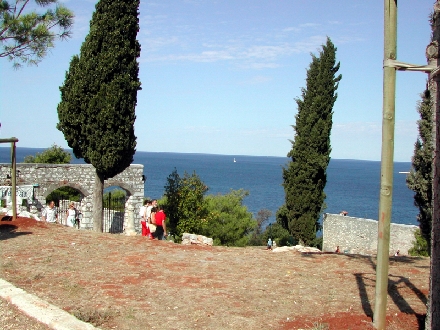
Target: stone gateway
45 178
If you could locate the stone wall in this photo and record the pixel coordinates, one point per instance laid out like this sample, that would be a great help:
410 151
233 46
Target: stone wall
357 235
47 177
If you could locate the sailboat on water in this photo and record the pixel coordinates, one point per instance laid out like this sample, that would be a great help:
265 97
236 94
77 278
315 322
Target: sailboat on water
234 160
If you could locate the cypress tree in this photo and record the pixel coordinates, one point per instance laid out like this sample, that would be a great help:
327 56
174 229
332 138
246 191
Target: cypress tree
420 177
98 98
305 175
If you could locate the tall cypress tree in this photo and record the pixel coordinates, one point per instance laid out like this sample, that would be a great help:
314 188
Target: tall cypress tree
420 177
98 98
306 174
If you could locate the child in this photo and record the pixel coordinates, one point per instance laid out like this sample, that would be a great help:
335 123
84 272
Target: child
269 244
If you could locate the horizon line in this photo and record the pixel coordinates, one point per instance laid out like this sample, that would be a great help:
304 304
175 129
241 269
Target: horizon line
214 154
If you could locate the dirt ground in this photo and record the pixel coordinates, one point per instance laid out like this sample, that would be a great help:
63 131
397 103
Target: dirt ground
122 282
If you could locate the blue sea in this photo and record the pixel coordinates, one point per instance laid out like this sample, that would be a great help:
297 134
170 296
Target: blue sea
352 185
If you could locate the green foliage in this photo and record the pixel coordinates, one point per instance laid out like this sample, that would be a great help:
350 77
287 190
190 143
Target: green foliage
317 243
222 217
64 193
420 246
305 175
52 155
228 221
278 234
26 36
99 95
172 200
185 206
98 98
114 199
281 217
420 177
256 238
262 217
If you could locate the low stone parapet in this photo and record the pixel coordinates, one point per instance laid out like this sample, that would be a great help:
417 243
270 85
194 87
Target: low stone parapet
359 236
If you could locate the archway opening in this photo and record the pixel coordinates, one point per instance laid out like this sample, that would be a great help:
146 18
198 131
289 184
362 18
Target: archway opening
63 197
114 200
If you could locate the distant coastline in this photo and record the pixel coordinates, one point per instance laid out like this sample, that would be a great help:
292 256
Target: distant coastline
35 150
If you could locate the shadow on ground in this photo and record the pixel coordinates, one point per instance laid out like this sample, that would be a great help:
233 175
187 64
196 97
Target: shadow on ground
395 284
10 231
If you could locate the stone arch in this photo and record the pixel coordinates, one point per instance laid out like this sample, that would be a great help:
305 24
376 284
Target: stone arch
50 188
127 187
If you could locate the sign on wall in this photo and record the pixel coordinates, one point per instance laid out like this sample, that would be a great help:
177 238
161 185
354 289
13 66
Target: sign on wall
23 192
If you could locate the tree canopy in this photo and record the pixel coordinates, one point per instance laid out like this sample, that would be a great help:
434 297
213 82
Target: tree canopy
419 179
305 175
228 221
224 218
98 98
52 155
26 35
184 203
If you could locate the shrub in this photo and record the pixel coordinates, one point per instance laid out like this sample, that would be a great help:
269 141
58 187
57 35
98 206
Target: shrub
278 234
420 245
228 221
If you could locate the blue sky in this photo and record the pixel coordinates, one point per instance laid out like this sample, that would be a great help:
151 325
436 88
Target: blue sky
221 76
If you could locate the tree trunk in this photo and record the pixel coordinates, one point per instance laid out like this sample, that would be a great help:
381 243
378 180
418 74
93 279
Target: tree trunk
97 203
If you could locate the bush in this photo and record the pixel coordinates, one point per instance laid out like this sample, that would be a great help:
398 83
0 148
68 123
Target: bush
52 155
317 243
184 203
228 221
278 234
420 246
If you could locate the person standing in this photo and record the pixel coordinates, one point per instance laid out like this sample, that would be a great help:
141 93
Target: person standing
147 218
71 215
143 214
269 244
49 213
161 229
152 222
148 211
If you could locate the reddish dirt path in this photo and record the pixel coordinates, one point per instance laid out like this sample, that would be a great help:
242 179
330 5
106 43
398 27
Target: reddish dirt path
121 282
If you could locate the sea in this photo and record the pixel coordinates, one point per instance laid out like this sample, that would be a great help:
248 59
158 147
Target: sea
352 185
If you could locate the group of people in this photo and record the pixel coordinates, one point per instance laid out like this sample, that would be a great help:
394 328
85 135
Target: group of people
49 214
153 220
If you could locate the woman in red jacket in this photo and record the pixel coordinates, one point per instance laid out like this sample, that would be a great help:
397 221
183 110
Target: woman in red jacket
161 229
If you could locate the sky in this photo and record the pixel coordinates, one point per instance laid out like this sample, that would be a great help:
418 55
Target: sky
222 76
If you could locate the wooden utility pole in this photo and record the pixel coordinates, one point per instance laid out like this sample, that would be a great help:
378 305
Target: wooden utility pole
386 182
387 163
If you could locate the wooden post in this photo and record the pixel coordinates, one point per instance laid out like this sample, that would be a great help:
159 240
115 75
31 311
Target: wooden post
13 141
14 182
387 164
